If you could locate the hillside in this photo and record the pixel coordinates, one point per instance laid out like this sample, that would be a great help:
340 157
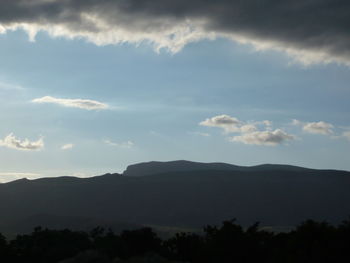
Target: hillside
194 195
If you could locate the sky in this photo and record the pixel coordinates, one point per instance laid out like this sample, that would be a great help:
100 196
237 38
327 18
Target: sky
90 87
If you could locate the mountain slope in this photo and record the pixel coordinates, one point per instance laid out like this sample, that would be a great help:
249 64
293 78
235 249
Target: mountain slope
274 195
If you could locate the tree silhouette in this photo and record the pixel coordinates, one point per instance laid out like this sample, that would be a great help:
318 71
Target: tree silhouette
310 242
45 245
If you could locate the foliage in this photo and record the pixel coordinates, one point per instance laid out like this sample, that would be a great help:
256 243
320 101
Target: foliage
310 242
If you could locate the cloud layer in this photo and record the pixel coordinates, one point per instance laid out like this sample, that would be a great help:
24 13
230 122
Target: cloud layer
10 141
314 31
73 103
250 133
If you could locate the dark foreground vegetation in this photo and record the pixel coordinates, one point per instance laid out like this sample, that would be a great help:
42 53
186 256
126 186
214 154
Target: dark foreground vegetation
310 242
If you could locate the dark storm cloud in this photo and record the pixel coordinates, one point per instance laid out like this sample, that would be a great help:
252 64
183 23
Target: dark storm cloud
315 29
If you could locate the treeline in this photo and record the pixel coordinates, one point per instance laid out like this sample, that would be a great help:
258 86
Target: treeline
310 242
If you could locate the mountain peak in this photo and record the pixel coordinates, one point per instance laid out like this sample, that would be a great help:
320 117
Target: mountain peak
156 167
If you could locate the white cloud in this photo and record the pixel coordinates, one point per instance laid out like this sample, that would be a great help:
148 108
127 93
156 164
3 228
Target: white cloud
11 176
267 122
226 122
296 122
73 103
248 128
233 125
127 144
268 138
67 146
320 127
10 141
220 120
250 133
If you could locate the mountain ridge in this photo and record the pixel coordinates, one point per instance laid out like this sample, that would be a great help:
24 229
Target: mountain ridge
153 167
162 167
275 195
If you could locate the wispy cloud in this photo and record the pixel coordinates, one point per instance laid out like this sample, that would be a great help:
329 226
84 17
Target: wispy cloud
251 132
67 146
8 86
73 103
204 134
127 144
10 141
320 127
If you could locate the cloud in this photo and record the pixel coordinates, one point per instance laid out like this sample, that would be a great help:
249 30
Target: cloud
73 103
226 122
8 86
268 138
67 146
248 128
320 127
310 32
204 134
296 122
231 124
267 123
250 133
127 144
10 141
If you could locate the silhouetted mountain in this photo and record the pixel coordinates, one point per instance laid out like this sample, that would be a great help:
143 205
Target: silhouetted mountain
148 168
185 194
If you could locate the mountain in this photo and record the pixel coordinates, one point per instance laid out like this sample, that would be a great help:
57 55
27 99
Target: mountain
148 168
183 194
